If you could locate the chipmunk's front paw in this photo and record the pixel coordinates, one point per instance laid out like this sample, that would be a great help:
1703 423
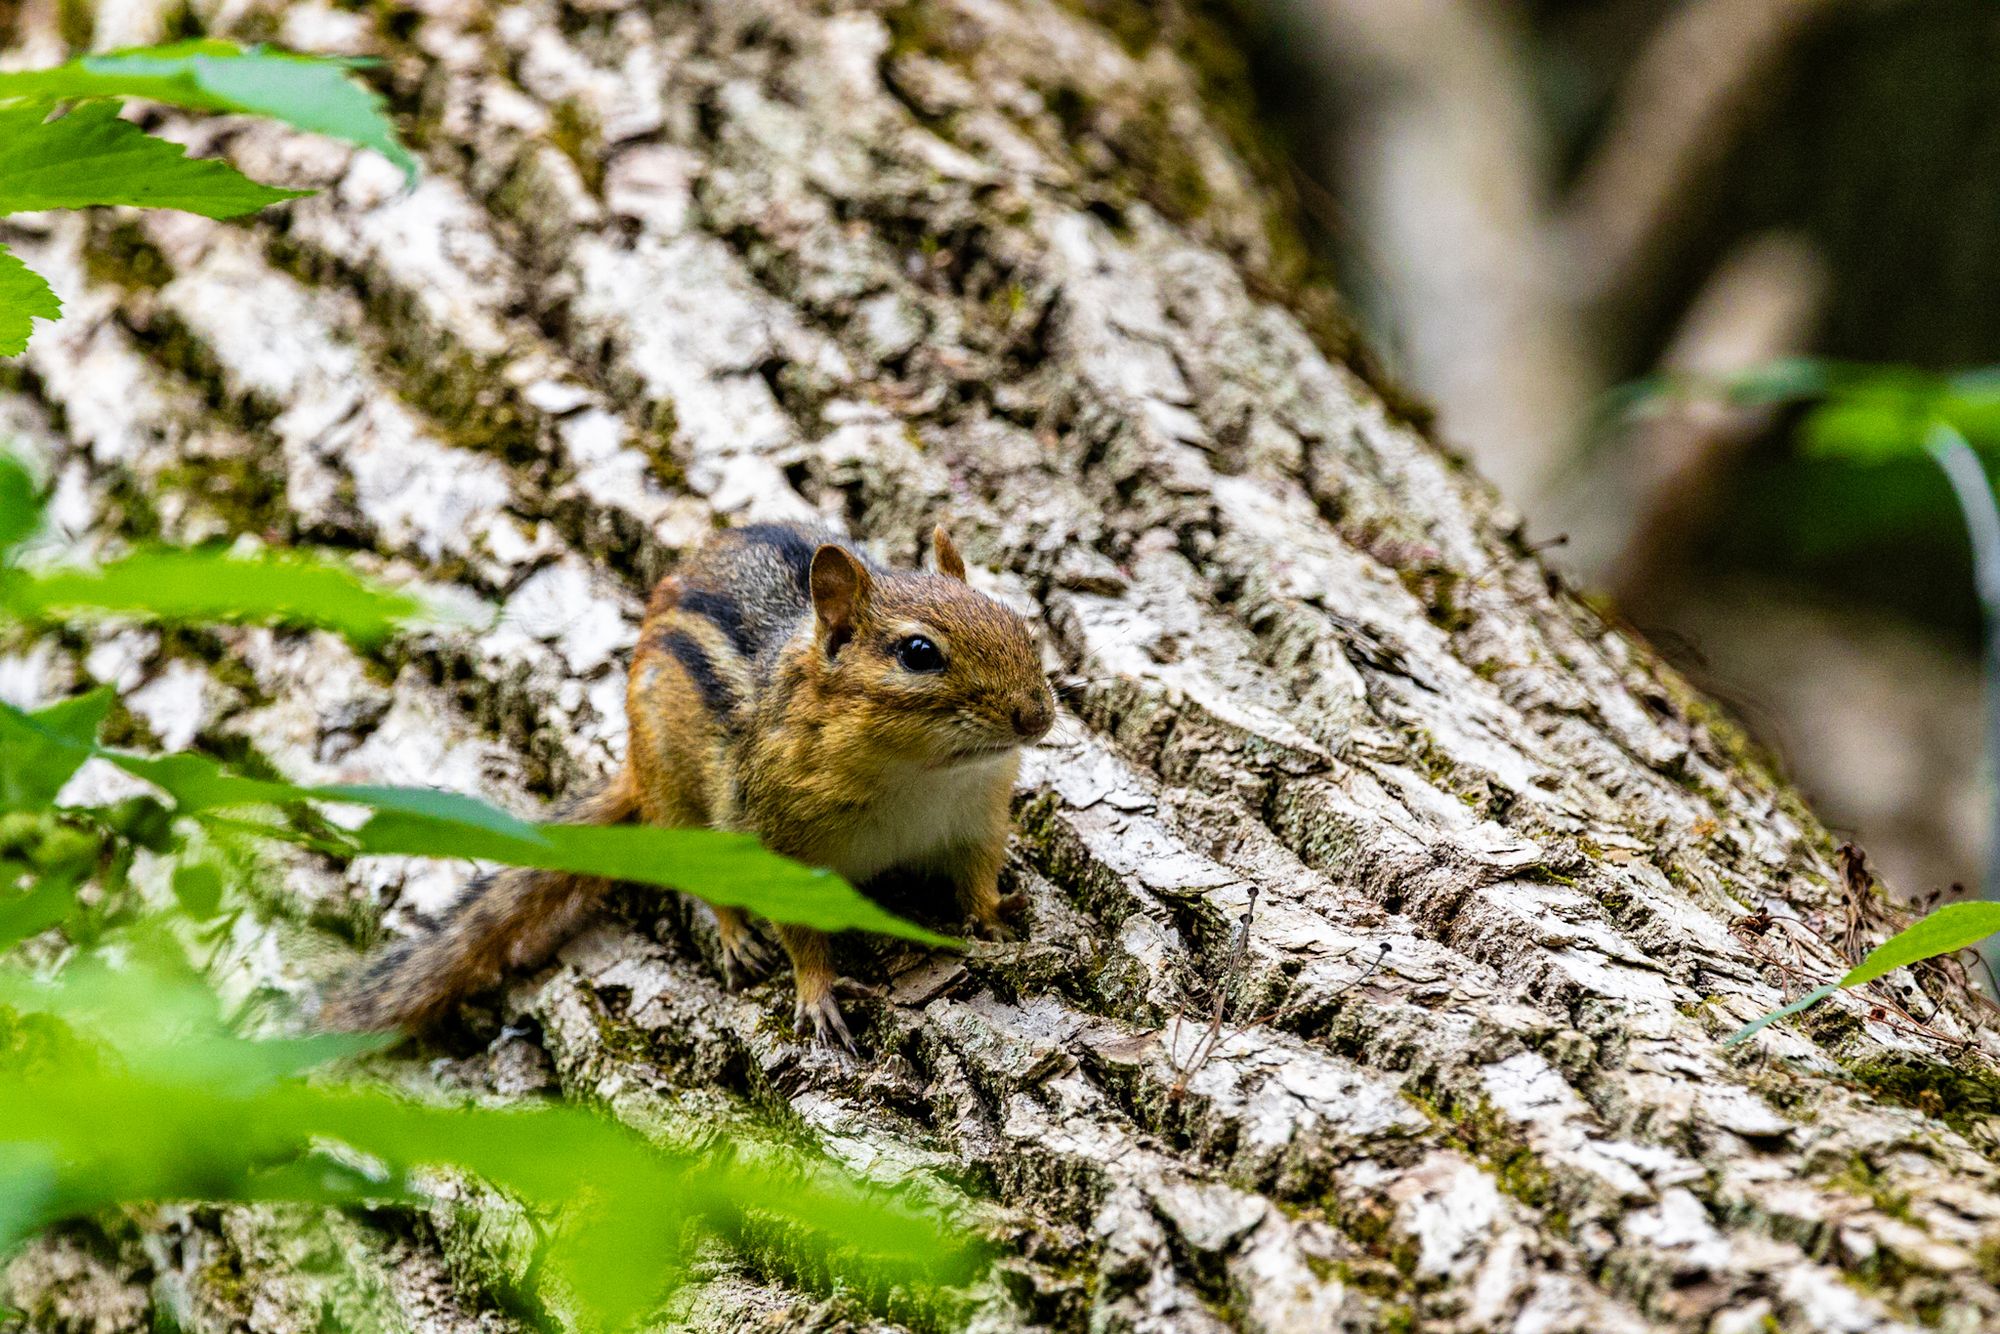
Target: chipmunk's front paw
745 961
1005 921
822 1015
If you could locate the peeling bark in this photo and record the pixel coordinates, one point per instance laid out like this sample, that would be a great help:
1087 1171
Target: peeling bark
1012 262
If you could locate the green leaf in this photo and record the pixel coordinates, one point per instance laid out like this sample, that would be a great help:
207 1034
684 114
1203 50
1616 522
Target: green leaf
1811 998
1942 931
730 869
1867 430
20 498
431 805
34 912
150 1097
174 585
724 868
1786 380
198 888
77 719
91 157
1982 380
197 783
315 93
40 751
25 297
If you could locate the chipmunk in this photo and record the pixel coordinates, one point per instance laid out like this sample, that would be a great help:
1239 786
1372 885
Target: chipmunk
852 717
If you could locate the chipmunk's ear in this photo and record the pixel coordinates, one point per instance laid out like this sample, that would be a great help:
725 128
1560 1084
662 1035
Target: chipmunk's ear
840 588
949 562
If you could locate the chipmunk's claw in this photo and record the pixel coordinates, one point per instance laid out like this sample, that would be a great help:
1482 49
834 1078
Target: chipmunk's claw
1005 921
746 960
829 1029
995 930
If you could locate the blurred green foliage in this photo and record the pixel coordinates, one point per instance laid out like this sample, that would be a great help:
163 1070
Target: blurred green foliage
315 93
1857 413
135 1088
1845 496
165 584
89 156
123 1079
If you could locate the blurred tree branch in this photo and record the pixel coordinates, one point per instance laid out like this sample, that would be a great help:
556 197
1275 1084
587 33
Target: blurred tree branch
1505 296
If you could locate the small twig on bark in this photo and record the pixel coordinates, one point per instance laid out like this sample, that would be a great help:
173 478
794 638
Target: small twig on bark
1292 1007
1212 1038
1365 973
1893 1014
1857 885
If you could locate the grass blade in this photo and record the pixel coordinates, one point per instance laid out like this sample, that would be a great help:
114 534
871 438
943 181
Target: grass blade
1945 930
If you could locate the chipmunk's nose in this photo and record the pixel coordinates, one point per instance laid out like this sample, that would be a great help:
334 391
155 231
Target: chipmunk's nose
1033 718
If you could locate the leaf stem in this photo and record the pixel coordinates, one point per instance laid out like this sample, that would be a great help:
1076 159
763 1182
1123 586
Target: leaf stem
1974 492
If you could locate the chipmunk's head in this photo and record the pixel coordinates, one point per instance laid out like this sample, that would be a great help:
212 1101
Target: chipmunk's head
928 669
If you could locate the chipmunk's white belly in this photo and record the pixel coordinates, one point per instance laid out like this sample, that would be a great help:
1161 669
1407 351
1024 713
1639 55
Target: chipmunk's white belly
935 810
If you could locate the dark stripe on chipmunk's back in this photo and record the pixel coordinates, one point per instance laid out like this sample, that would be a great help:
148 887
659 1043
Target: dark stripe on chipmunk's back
722 611
716 696
791 546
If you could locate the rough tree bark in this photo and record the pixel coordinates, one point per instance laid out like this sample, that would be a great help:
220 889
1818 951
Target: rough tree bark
1019 263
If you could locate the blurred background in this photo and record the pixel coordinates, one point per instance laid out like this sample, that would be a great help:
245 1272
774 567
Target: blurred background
1598 237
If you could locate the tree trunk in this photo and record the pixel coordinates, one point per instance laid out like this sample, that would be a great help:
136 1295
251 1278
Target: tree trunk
1466 873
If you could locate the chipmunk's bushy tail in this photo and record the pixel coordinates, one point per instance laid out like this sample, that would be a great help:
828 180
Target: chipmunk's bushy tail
511 919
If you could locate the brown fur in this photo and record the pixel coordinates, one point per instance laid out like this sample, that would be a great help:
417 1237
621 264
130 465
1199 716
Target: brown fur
508 920
767 695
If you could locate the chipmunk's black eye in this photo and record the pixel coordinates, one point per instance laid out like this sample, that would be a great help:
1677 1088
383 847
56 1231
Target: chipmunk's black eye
916 654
